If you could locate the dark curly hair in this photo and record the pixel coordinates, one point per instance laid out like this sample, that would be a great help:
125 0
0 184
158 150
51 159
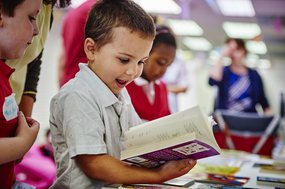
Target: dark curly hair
164 35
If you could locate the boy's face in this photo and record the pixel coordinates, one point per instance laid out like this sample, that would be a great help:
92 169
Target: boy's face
120 61
160 58
17 32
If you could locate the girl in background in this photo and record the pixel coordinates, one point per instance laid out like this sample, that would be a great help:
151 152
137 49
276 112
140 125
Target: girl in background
148 92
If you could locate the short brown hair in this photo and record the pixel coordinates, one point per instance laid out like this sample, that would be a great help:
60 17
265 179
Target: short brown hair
8 6
107 14
240 43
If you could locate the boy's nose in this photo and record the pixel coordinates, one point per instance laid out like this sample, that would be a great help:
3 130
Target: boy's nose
132 70
36 30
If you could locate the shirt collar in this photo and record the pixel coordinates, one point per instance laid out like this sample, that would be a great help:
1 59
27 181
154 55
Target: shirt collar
106 96
5 69
141 81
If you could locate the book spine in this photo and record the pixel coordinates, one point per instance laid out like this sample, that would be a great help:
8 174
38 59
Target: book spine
271 181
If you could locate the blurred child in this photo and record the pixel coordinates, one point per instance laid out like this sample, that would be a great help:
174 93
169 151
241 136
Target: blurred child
177 81
91 112
72 35
46 148
17 133
149 92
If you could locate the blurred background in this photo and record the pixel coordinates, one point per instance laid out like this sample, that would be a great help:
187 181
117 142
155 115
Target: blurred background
201 27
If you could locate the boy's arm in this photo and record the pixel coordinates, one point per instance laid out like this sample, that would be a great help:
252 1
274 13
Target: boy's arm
176 89
31 84
13 148
109 169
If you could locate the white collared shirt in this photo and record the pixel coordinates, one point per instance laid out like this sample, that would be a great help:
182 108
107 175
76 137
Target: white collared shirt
84 120
148 87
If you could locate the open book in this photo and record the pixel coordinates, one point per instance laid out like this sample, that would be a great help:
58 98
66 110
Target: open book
186 134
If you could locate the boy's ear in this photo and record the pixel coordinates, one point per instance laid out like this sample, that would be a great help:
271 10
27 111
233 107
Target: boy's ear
89 48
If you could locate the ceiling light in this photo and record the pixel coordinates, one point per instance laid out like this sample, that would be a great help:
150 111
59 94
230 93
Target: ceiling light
236 8
160 6
197 43
257 47
185 27
241 30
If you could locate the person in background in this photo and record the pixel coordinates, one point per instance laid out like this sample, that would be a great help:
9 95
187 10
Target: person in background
90 113
240 88
17 132
25 79
72 35
176 78
148 92
46 147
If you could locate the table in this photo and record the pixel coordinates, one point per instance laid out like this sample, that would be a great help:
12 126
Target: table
246 162
233 158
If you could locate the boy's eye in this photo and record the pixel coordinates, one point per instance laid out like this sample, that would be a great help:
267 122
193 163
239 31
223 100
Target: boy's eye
141 62
124 60
161 63
32 18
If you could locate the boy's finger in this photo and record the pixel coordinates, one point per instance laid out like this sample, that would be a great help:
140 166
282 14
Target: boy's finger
35 124
192 162
21 117
32 121
188 163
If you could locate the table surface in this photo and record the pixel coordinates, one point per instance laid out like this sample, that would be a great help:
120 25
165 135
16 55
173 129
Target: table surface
245 161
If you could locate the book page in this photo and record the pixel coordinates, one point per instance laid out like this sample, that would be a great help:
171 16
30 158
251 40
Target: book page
191 120
150 147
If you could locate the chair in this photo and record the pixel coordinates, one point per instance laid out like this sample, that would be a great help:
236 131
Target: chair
282 104
249 132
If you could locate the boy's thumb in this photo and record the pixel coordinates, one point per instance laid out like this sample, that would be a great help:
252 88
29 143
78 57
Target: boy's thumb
21 117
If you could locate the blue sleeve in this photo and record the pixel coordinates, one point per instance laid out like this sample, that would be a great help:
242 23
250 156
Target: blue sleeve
261 97
212 82
263 100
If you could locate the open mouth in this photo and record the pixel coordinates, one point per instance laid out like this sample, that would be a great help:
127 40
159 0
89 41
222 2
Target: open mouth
121 83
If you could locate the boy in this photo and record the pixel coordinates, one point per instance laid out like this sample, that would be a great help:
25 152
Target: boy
92 111
17 133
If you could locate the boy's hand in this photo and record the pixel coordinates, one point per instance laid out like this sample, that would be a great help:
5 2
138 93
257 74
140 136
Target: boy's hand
27 129
173 169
